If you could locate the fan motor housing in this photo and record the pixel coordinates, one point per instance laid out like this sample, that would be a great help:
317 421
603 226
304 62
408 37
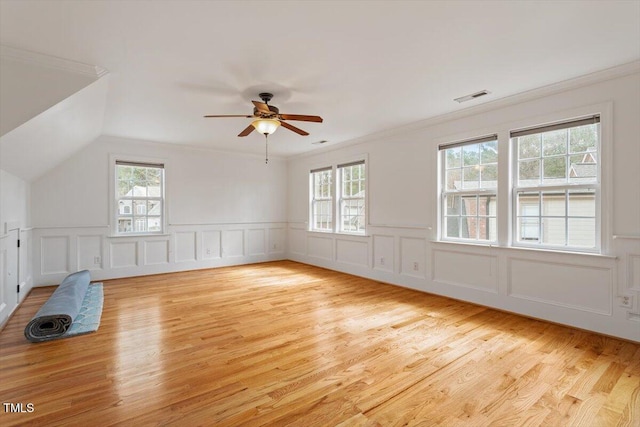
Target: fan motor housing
259 113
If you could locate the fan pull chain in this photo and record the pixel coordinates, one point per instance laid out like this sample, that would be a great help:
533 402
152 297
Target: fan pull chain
266 148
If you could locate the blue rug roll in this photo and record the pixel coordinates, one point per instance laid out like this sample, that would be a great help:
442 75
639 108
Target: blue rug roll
56 315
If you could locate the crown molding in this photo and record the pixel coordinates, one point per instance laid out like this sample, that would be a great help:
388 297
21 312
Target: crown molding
530 95
40 59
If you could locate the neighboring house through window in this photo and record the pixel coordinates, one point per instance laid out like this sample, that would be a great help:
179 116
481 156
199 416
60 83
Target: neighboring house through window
139 189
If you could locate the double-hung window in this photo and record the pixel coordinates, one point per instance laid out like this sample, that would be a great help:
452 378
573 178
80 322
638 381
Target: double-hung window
338 191
352 197
139 193
469 190
557 185
322 199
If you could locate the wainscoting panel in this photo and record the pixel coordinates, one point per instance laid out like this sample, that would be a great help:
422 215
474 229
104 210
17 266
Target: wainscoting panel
412 257
465 269
320 247
211 244
256 242
580 287
123 254
156 252
233 243
90 255
352 252
62 250
634 271
55 254
383 253
297 241
277 239
186 248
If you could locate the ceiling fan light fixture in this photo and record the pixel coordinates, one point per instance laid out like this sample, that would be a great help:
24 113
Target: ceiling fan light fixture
266 126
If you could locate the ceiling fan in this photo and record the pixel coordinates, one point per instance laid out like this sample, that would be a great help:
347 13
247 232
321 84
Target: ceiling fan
268 118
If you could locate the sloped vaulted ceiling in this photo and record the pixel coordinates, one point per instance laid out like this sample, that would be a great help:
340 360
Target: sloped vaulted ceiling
50 108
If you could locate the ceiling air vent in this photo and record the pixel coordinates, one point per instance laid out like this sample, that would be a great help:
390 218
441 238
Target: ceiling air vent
320 142
472 96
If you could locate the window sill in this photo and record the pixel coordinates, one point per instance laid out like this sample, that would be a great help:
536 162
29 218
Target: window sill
334 233
523 248
117 236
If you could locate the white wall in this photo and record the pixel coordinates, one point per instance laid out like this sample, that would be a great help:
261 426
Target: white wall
582 290
222 209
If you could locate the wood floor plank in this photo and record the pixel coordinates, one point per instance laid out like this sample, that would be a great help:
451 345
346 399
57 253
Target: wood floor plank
284 343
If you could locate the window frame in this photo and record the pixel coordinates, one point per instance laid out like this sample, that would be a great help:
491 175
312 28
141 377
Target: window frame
336 196
314 200
341 198
114 216
444 193
566 188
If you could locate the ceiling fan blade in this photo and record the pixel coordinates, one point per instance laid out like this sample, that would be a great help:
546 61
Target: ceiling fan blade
301 118
295 129
261 106
229 115
247 131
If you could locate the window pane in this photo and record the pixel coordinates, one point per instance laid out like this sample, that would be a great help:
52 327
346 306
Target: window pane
529 172
582 232
553 231
529 204
555 168
469 227
553 203
469 205
471 177
453 205
471 154
528 229
492 229
454 178
124 188
487 205
452 226
554 142
452 157
582 203
529 146
583 168
489 176
583 138
489 152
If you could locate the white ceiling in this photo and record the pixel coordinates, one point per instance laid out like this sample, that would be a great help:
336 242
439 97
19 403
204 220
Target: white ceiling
364 66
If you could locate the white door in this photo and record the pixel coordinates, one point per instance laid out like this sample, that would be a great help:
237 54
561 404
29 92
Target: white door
8 274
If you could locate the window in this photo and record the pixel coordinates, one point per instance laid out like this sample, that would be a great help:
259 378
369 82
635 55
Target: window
469 189
349 203
321 200
139 192
557 185
352 200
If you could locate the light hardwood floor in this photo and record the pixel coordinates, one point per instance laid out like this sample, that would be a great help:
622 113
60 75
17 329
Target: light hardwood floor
284 343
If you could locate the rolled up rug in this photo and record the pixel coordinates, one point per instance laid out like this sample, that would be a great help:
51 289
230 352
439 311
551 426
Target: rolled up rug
56 315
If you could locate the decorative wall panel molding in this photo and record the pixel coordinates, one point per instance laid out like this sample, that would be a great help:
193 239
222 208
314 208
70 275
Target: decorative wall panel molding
156 252
579 287
55 253
185 246
352 252
479 271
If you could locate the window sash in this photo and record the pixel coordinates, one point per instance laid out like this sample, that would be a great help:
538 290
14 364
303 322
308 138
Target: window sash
564 230
134 218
